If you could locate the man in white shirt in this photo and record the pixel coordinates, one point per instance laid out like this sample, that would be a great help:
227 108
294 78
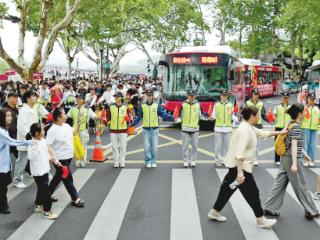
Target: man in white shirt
27 116
107 96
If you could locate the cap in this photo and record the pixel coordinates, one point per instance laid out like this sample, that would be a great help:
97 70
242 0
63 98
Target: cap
148 92
311 95
191 92
285 94
224 91
255 91
81 95
12 94
118 94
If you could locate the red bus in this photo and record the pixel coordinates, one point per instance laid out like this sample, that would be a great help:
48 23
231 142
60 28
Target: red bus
204 69
264 76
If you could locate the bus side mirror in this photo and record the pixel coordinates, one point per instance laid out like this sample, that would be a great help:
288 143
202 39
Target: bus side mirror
163 63
231 75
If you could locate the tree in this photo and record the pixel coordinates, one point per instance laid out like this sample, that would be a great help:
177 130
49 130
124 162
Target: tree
46 20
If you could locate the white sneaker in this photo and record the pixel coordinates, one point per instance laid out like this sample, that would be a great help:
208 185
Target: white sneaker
50 215
214 215
154 165
255 163
185 164
311 164
193 164
219 163
77 165
266 222
38 208
122 165
116 165
277 163
20 185
305 164
316 196
148 165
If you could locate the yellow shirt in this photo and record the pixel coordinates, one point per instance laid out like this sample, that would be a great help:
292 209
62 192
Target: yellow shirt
243 144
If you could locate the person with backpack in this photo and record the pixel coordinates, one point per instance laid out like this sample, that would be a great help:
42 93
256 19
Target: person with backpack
239 160
310 126
282 118
291 170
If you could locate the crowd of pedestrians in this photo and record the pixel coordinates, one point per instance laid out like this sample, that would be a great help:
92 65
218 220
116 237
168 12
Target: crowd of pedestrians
49 113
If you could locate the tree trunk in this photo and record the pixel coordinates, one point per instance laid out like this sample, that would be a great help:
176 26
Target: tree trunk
69 67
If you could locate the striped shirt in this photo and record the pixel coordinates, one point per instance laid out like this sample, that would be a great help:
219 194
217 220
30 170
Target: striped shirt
294 134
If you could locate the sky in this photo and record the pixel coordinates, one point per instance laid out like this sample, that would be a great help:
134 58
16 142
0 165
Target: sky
10 37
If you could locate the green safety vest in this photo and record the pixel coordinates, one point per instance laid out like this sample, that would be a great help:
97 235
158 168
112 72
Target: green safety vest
313 122
150 115
117 117
191 115
223 114
258 105
83 120
282 117
69 100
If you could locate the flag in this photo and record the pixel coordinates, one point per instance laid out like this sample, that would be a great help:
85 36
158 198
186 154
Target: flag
125 119
210 110
49 117
176 113
270 116
236 108
307 113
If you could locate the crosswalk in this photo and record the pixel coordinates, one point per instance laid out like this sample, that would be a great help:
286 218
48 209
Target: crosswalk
163 203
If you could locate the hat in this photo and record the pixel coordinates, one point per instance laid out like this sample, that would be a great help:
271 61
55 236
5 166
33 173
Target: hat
311 95
224 91
191 92
12 94
285 94
118 94
148 92
81 95
255 91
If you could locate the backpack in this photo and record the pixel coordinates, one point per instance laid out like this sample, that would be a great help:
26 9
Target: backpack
279 144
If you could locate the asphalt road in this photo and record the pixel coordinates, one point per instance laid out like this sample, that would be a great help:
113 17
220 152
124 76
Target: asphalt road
168 202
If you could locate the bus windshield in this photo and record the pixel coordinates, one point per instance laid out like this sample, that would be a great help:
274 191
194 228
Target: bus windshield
202 79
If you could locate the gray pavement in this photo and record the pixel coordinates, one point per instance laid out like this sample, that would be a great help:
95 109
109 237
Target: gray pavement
166 203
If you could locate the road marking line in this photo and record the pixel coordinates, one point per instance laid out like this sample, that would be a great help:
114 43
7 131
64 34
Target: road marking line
245 216
185 218
13 192
273 172
35 226
265 151
107 222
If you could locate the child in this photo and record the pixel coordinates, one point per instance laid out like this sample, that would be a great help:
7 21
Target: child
5 160
39 155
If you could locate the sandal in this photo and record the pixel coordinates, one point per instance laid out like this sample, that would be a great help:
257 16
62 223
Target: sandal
78 204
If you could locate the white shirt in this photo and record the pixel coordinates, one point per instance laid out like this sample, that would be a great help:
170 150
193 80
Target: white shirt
38 154
61 140
27 116
107 96
243 144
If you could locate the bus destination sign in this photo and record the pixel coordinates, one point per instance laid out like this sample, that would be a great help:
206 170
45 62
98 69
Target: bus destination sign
209 60
181 60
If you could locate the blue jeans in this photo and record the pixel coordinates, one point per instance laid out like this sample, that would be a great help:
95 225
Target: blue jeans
310 143
150 144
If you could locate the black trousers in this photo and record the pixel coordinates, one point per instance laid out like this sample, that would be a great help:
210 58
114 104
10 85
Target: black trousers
43 197
248 189
276 156
68 182
5 180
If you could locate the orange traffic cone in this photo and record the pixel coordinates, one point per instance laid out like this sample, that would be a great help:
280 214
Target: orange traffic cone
98 155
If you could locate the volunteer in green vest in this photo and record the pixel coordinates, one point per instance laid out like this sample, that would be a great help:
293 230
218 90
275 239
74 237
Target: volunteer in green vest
222 113
282 118
80 115
118 119
255 101
310 126
149 114
190 117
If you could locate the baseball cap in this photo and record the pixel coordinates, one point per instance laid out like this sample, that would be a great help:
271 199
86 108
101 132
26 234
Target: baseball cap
191 92
223 91
148 92
118 94
285 94
255 91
